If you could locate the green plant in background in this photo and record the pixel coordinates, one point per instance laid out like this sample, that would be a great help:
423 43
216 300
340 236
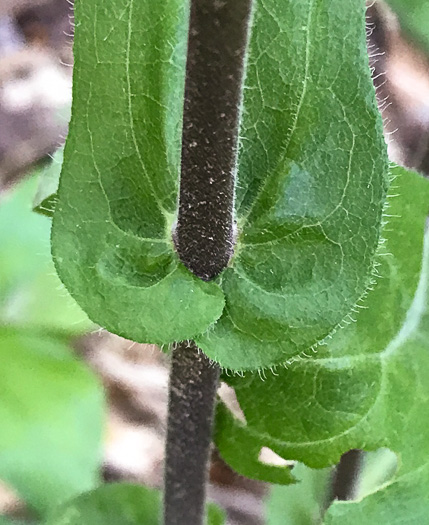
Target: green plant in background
48 400
119 503
250 222
414 18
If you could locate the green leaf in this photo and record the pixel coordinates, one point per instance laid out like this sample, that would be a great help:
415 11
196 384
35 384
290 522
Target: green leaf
215 515
306 502
404 498
51 410
402 502
366 388
118 503
9 521
312 177
303 503
117 196
110 505
30 292
378 468
240 448
414 18
49 176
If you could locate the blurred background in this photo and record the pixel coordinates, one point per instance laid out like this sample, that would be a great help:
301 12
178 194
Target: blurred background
78 404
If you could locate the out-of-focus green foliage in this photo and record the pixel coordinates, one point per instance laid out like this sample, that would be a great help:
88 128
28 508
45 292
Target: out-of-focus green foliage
51 405
306 502
51 413
119 504
8 521
30 292
111 504
414 18
303 503
378 468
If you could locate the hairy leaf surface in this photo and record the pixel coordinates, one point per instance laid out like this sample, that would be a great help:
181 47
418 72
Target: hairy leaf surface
404 498
311 184
365 388
117 196
311 181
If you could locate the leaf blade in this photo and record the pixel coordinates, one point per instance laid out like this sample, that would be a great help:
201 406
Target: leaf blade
111 231
363 386
312 178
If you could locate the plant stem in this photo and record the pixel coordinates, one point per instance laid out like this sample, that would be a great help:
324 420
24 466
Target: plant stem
346 475
204 236
192 394
218 35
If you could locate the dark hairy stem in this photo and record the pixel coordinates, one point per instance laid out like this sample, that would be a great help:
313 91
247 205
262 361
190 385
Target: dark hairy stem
346 475
204 236
218 36
192 394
